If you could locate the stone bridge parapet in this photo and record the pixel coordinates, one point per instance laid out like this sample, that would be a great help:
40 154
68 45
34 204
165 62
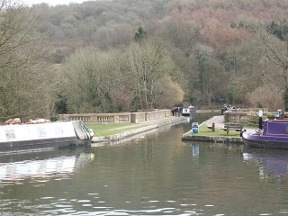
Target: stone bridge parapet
125 117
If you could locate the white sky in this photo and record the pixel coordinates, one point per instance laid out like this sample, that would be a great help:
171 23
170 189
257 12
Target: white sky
51 2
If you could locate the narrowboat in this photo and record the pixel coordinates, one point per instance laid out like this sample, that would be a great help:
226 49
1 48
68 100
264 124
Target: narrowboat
17 137
189 111
274 134
185 112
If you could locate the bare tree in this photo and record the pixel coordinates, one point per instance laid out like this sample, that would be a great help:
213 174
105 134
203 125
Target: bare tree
268 96
89 81
276 51
150 69
24 82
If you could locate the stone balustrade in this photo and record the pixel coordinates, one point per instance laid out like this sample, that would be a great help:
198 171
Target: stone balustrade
236 115
106 118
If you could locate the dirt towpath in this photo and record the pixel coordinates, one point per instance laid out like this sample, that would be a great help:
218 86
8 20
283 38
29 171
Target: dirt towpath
219 123
218 120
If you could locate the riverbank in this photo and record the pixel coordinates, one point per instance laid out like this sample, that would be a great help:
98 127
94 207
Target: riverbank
141 128
210 136
138 129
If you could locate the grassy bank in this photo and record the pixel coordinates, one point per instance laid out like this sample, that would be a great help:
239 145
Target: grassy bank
205 131
112 129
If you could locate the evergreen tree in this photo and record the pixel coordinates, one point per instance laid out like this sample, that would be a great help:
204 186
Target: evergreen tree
140 35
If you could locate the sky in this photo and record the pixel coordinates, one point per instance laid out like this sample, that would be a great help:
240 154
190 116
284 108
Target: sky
51 2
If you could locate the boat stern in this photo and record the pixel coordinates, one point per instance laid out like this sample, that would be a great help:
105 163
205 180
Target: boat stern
82 131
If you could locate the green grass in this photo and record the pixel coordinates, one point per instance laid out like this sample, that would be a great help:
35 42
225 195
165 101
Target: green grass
112 129
204 131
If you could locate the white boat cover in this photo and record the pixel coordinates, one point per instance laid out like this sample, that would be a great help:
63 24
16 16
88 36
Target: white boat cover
24 132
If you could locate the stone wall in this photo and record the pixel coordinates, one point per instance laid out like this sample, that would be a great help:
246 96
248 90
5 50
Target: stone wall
244 115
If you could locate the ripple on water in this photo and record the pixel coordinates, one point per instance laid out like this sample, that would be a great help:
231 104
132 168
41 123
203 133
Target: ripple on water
171 201
102 207
93 194
188 204
283 211
63 206
83 201
46 198
153 201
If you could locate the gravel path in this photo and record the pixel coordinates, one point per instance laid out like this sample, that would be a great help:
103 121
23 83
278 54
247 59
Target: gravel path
219 123
218 120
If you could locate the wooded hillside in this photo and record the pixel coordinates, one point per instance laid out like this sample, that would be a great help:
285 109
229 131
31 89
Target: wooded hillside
126 55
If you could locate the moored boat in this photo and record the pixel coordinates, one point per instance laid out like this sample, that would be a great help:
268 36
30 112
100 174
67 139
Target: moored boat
185 112
17 137
189 111
273 135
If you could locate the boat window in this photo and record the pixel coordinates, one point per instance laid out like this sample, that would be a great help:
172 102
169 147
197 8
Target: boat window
10 134
41 132
58 130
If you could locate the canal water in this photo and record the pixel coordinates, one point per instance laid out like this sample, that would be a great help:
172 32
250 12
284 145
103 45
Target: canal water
154 174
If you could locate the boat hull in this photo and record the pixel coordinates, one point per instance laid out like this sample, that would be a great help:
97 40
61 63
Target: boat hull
16 138
47 143
256 140
185 114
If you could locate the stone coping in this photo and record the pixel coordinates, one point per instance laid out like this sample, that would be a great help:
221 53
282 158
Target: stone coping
213 139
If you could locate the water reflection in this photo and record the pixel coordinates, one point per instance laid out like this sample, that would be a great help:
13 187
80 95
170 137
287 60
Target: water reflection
270 163
195 150
41 166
